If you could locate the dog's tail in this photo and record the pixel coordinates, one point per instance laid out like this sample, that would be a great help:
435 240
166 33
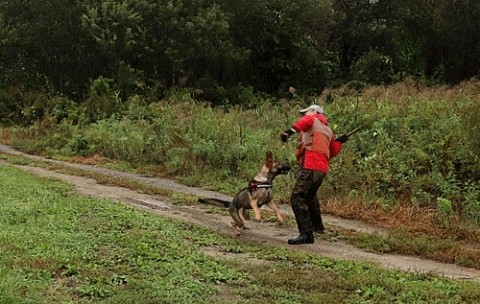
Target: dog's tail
215 202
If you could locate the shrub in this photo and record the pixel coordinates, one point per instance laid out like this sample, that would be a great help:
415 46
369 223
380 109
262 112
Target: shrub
102 100
373 68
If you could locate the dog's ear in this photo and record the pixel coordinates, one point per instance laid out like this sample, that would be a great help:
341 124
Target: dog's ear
269 159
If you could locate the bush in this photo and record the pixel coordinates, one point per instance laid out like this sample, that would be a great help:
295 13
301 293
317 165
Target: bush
102 101
373 68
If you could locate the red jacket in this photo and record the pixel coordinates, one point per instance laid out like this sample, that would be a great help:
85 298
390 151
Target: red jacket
317 142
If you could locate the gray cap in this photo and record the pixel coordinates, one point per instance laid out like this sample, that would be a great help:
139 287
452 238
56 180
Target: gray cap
315 108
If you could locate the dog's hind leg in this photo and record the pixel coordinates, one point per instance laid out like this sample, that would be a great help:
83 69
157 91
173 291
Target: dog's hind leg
235 229
245 214
237 220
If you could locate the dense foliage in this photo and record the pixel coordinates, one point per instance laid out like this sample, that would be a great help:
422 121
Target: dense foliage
225 49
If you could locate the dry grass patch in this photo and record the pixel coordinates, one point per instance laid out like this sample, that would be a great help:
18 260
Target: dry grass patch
412 231
405 216
92 160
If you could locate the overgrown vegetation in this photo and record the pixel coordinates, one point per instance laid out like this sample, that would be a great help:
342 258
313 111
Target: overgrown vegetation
71 249
420 146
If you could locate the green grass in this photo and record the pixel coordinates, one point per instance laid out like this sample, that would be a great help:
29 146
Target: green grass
62 247
58 247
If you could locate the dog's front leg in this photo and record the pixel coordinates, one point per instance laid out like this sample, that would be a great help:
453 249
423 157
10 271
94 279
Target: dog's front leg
256 210
275 209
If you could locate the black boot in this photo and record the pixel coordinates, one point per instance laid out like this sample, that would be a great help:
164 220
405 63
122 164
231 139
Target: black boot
303 238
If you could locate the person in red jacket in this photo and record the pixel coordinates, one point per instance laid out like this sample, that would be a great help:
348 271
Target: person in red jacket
317 146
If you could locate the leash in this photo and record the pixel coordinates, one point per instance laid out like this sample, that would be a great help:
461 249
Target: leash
360 127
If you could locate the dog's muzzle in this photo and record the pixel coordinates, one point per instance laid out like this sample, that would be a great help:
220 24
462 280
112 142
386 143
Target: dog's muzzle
284 169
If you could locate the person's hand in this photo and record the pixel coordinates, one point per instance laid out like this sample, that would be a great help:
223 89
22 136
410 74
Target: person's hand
286 134
342 138
284 137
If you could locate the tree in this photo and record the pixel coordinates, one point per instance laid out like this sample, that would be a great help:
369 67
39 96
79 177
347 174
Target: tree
44 44
284 41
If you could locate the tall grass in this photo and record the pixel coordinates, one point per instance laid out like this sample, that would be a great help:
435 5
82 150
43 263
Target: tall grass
421 145
419 149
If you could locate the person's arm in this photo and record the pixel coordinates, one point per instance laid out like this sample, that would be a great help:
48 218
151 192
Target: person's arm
300 125
335 147
304 123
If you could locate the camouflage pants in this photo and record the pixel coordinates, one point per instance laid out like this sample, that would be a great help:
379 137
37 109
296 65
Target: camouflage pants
304 201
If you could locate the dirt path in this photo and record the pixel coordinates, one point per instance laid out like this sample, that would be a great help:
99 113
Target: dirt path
268 233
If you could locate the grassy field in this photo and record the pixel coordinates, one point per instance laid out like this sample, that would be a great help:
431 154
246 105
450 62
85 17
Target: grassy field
58 247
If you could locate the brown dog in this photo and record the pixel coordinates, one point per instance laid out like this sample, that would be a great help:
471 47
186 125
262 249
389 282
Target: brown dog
258 193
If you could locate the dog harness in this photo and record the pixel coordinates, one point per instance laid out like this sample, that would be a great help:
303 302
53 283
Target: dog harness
253 185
